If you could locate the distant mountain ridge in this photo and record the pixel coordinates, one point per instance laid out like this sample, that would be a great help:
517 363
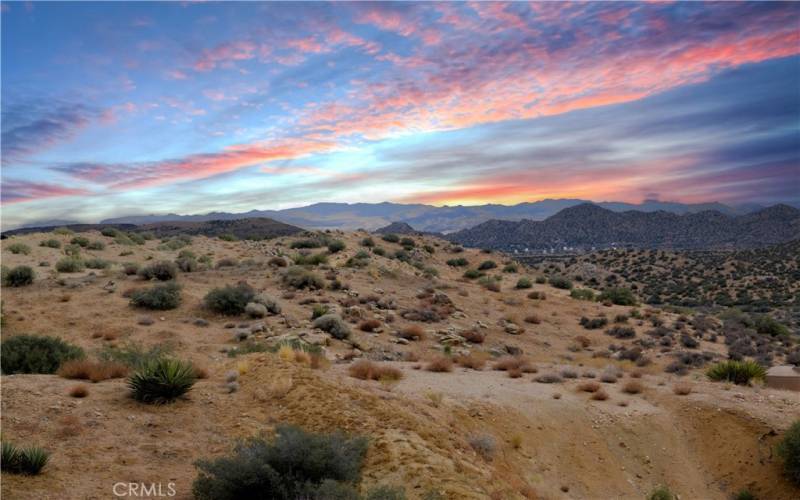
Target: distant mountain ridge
425 218
591 225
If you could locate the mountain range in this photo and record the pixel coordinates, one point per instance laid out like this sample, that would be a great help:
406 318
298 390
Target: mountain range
589 225
425 218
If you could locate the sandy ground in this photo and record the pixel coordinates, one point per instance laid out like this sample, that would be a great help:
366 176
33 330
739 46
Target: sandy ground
709 444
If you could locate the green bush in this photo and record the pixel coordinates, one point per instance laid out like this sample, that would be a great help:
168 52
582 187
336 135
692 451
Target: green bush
379 251
96 245
228 237
130 268
72 250
582 294
64 231
661 493
299 278
738 372
770 326
29 461
229 300
162 271
96 263
109 231
19 248
459 262
36 354
336 246
134 355
486 265
472 274
162 381
307 243
294 464
159 297
391 238
744 495
19 276
50 243
333 324
524 283
310 259
70 265
789 450
510 268
619 296
368 242
81 241
318 310
560 282
407 242
136 238
187 263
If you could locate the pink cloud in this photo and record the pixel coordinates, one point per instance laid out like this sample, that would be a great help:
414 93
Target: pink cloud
224 54
15 191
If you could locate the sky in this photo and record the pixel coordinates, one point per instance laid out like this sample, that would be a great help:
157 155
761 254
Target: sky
126 108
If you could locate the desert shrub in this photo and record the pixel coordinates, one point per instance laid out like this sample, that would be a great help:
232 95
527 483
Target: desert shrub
133 355
97 263
162 381
228 237
81 241
277 262
227 262
187 262
336 246
163 271
618 296
367 370
738 372
594 323
109 231
299 278
472 274
78 391
682 389
537 296
64 231
272 305
333 324
229 300
789 450
175 243
50 243
510 268
368 242
96 245
402 256
72 250
159 297
130 268
621 332
582 294
19 248
407 242
548 378
440 364
486 265
385 493
490 283
294 464
29 461
36 354
391 238
661 493
508 363
70 265
523 283
459 262
411 332
18 276
319 310
310 259
379 251
484 445
768 325
473 336
369 325
560 282
472 361
589 386
632 387
96 371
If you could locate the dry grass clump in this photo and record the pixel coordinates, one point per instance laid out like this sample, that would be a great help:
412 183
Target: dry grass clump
440 364
533 319
484 445
589 386
600 395
95 371
507 363
514 373
471 361
682 388
636 374
78 391
411 332
367 370
633 387
369 325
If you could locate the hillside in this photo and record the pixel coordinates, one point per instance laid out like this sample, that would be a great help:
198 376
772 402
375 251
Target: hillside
489 383
587 226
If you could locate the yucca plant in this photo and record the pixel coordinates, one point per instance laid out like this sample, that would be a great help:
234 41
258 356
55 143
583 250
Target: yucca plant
738 372
28 461
162 381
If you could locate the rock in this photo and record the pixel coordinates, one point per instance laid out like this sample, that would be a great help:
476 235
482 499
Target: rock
241 335
145 321
200 322
255 310
512 329
257 328
230 325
